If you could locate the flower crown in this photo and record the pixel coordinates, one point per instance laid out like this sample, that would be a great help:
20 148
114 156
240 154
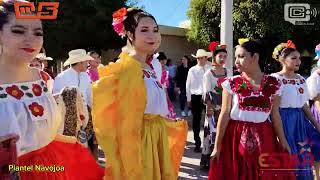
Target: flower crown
278 49
215 46
118 18
317 51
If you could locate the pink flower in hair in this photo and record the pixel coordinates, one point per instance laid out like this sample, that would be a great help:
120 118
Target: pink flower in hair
118 18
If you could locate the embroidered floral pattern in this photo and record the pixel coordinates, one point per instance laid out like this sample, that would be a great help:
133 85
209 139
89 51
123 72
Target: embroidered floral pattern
146 74
149 74
255 100
15 92
36 89
301 90
36 109
22 90
159 85
298 82
45 76
219 88
250 140
293 81
82 117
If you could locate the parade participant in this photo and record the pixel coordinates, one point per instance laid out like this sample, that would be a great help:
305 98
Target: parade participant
194 92
76 76
30 111
130 107
244 131
44 63
93 68
300 127
212 97
165 83
313 83
35 63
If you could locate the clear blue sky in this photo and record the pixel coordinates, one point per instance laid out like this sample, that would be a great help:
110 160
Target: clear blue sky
167 12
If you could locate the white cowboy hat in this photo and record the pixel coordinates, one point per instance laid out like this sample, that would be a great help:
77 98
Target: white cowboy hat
43 56
76 56
202 53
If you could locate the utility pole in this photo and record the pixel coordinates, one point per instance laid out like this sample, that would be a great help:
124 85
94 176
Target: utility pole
226 32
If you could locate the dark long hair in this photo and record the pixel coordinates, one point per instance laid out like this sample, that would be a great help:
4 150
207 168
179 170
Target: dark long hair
256 46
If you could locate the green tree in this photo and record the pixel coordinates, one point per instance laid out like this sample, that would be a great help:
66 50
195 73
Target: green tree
252 19
82 24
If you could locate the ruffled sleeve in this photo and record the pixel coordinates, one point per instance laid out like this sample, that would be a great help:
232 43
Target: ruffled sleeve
227 85
279 86
313 83
208 85
119 100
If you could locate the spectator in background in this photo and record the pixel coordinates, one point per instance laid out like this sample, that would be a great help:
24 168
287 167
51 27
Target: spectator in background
43 59
76 76
194 90
93 68
35 63
172 73
165 83
181 79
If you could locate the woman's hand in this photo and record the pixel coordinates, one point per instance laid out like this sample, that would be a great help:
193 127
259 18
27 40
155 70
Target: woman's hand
215 153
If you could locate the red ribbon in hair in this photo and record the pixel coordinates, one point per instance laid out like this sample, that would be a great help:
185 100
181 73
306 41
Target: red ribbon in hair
290 44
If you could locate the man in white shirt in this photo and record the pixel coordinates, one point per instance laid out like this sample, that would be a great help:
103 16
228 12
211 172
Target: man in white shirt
76 75
194 92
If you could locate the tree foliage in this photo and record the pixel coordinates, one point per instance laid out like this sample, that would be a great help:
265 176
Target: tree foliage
253 19
82 24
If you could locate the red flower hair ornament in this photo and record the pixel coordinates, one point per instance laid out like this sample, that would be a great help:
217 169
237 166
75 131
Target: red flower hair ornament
278 49
215 45
118 17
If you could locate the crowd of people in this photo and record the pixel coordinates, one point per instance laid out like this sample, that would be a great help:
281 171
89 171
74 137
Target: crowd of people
52 124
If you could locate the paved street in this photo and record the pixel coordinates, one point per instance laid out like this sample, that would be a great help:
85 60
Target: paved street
190 168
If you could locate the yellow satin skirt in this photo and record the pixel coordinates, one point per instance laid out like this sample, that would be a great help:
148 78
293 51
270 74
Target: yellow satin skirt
162 147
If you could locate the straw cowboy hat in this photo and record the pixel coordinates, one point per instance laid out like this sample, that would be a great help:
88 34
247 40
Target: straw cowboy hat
202 53
43 56
77 56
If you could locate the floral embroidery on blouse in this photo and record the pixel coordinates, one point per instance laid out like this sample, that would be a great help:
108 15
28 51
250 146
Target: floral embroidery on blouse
149 74
250 140
27 90
36 109
293 81
20 91
15 92
255 100
218 87
299 81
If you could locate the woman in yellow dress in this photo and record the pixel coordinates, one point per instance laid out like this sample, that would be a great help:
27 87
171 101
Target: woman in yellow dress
130 108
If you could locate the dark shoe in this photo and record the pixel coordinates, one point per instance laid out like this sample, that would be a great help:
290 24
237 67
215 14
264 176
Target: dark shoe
197 149
203 162
208 161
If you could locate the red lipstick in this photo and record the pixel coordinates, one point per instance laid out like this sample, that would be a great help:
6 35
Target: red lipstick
29 50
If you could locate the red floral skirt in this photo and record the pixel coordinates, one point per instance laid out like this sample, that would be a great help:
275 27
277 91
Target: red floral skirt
241 147
60 161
